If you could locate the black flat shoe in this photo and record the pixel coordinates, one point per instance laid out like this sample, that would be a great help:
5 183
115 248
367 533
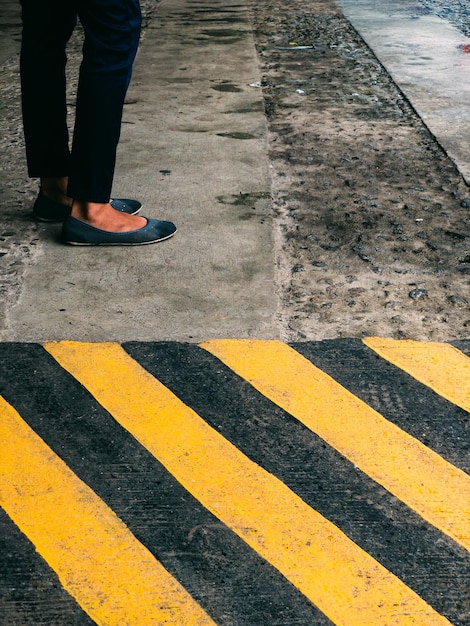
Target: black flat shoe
78 233
47 210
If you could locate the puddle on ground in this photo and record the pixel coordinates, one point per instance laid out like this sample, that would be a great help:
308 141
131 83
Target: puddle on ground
237 135
227 87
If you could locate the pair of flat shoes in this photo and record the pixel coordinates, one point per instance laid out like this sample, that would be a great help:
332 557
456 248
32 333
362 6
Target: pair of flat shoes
79 233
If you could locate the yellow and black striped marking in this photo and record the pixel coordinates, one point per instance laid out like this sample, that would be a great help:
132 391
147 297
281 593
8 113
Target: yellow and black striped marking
235 483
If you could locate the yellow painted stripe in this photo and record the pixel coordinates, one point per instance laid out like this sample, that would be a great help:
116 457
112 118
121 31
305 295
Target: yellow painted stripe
346 583
113 577
427 483
438 365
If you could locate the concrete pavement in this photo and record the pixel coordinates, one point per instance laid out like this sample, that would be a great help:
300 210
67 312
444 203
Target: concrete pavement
429 60
193 149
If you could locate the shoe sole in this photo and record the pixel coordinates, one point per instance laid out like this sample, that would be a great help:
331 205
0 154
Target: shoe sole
139 243
45 220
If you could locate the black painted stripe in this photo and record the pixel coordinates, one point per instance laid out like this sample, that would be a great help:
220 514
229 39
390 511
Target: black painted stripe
426 560
229 580
463 345
30 591
401 399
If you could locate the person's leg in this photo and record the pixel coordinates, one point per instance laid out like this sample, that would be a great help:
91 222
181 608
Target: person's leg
47 26
112 30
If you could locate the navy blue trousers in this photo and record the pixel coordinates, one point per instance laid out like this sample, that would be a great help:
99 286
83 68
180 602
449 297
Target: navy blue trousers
112 30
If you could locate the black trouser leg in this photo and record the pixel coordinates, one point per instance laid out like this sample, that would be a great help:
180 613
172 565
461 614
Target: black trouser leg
47 26
112 30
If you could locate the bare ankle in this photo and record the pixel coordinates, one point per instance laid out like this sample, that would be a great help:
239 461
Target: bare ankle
103 216
88 211
56 189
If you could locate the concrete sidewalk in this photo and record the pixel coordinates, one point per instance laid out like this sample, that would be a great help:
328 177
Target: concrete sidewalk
427 58
193 149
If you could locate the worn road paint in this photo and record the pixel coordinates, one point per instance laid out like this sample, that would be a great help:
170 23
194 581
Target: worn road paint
346 583
423 480
440 366
113 577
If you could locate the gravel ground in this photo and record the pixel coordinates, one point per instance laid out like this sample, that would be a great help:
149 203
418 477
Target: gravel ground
373 223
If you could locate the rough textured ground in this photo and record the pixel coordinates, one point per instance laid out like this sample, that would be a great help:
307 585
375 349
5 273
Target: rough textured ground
372 221
373 218
457 12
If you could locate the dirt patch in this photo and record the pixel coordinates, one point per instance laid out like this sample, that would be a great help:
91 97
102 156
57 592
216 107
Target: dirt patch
372 218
